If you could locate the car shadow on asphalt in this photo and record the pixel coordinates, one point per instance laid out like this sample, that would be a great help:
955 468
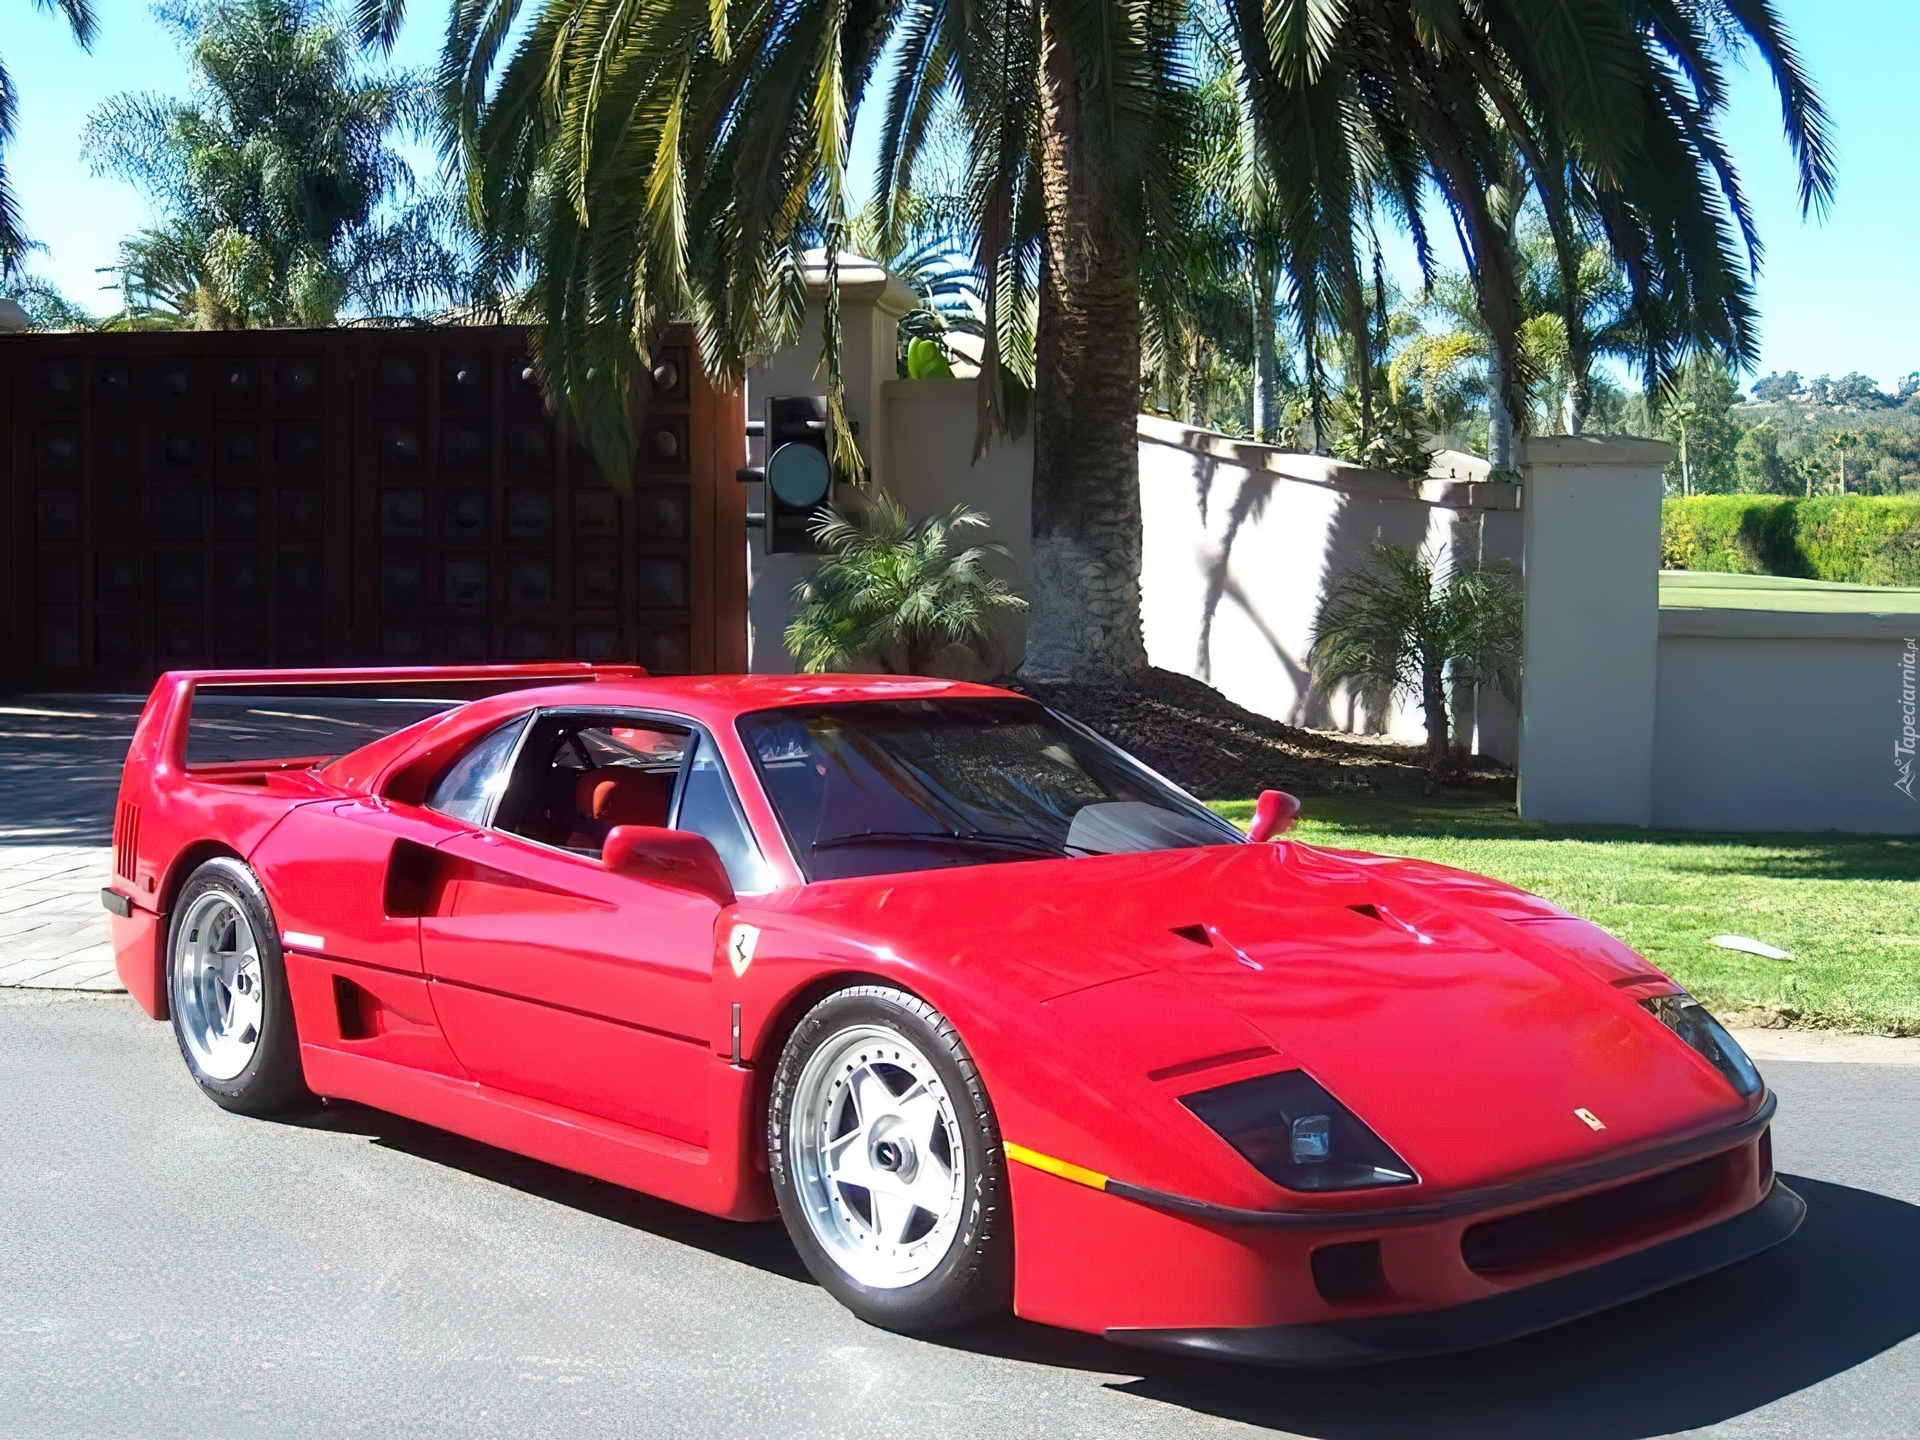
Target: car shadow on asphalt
764 1246
1845 1288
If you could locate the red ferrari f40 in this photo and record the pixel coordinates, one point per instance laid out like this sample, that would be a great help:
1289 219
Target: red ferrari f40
993 1017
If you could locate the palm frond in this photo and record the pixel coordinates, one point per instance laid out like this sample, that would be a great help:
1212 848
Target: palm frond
892 593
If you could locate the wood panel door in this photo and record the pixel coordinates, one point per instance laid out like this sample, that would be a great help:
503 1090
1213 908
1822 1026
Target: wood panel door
352 496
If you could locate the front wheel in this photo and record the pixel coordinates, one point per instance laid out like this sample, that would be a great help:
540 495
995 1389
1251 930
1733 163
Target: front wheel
227 989
887 1165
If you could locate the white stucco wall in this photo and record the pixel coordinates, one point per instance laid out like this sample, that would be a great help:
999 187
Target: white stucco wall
1593 605
1714 719
931 427
917 438
1783 721
1241 541
871 304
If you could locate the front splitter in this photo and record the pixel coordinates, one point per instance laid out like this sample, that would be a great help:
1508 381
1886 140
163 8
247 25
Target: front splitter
1498 1318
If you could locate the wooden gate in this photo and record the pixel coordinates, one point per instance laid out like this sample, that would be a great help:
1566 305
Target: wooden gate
351 497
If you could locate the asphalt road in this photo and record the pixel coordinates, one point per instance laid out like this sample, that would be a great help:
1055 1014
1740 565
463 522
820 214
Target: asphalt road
169 1270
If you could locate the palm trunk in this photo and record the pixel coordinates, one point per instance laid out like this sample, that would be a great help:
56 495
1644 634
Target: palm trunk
1579 403
1492 267
1266 359
1084 577
1499 413
1433 701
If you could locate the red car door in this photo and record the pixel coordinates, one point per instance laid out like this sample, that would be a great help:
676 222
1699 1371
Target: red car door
348 880
334 870
557 979
343 877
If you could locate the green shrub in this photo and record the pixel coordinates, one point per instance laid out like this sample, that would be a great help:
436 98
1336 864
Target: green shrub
1865 539
1857 539
1740 534
892 594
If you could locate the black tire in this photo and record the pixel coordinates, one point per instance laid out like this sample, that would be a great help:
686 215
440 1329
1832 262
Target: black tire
272 1081
974 1281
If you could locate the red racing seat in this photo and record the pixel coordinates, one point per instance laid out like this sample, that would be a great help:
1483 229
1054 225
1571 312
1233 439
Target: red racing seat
618 795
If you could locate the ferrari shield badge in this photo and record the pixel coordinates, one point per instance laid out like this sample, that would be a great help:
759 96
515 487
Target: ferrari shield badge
740 948
1587 1117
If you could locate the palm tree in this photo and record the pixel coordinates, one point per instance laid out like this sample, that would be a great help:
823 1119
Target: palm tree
1607 113
1395 627
893 594
270 182
679 157
14 243
1842 442
1685 415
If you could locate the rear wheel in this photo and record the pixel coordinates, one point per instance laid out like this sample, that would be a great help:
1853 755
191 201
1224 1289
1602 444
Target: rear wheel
227 991
887 1164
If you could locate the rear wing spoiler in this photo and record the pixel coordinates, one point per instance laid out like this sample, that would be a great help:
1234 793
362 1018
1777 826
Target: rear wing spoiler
160 739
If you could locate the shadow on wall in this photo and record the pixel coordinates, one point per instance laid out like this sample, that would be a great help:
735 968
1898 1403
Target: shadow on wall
1242 541
1249 502
1358 526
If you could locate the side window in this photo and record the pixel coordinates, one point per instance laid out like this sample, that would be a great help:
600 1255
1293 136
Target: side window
707 808
468 790
579 775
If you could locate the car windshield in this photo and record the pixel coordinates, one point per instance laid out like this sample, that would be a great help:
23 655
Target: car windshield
875 787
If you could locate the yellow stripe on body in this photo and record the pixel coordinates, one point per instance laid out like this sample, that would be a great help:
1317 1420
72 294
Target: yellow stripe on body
1078 1174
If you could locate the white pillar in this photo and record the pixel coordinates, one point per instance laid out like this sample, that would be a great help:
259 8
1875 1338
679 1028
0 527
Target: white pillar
1591 512
871 304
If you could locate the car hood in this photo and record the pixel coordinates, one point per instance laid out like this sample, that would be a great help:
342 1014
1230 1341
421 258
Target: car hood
1467 1022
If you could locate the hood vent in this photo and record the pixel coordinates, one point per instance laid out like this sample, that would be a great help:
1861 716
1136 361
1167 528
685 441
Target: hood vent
1372 912
1196 933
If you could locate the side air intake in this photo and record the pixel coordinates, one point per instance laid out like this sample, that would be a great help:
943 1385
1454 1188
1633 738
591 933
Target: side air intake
126 839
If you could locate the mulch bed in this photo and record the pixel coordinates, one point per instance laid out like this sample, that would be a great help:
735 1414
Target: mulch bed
1202 741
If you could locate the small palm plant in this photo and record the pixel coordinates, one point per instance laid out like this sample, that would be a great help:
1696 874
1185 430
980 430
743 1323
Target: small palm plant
892 594
1395 627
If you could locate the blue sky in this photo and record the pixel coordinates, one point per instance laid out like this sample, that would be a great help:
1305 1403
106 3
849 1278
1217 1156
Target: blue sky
1832 295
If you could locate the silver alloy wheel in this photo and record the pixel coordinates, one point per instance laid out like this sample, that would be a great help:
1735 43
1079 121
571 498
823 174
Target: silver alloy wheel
877 1155
216 986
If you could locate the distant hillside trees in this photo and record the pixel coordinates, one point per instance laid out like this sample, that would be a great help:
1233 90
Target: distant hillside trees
1794 437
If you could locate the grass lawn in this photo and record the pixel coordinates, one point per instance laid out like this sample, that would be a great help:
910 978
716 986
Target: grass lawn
1846 907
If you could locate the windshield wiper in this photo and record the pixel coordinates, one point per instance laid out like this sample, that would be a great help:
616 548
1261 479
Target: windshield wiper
1030 844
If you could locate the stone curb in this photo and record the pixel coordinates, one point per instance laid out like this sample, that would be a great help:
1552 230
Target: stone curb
1829 1047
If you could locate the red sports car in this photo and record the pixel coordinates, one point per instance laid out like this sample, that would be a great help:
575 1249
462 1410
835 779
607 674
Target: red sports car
994 1017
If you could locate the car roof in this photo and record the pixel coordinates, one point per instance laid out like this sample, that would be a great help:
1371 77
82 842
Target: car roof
712 700
720 698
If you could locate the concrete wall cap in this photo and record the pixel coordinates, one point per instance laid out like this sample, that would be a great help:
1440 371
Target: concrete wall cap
1324 470
1623 451
1466 494
861 279
1458 465
1721 623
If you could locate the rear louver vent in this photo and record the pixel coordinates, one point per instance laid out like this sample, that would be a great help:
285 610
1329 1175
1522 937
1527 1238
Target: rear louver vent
126 839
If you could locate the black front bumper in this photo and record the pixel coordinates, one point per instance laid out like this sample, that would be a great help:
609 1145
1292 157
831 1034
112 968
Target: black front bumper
1497 1318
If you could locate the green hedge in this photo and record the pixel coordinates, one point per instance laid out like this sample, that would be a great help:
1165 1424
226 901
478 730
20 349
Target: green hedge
1859 539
